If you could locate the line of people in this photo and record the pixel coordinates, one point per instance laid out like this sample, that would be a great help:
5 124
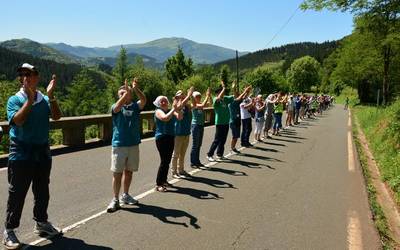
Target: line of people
30 162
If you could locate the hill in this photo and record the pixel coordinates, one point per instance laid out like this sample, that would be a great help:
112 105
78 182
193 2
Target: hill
39 50
288 53
11 60
200 53
159 49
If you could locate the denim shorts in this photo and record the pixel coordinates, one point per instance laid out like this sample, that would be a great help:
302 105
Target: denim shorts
235 128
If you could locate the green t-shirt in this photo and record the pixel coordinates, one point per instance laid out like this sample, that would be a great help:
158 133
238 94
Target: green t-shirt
221 110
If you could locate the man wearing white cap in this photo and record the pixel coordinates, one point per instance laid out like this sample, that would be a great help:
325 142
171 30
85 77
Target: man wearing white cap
28 113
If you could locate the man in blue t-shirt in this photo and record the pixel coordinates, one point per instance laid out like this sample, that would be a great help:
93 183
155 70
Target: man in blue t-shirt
29 159
125 142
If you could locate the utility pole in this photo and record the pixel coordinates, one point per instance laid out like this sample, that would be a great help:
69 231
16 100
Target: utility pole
237 70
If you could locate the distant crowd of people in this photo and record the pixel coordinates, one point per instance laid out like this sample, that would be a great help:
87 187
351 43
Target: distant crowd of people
28 113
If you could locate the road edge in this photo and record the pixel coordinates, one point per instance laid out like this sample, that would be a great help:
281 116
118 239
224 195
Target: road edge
383 217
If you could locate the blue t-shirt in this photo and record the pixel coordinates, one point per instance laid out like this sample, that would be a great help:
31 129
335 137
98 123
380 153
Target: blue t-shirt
182 127
234 110
33 136
126 127
164 128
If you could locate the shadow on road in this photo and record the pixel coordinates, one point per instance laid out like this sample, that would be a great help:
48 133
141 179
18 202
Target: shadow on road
61 243
227 171
266 149
265 158
275 144
292 141
163 214
292 137
195 193
249 164
212 182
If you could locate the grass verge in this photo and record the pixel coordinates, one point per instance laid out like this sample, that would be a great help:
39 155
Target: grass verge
378 215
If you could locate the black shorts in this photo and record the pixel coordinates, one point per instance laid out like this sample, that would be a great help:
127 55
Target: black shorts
235 128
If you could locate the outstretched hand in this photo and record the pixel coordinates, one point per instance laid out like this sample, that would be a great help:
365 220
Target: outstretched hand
135 83
208 93
29 92
190 91
51 87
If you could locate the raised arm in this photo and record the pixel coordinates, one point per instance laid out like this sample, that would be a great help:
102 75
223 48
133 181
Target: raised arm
122 100
208 97
54 108
222 92
142 98
243 95
187 98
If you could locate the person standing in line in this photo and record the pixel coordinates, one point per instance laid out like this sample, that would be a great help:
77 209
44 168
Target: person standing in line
245 114
125 142
346 105
222 116
278 111
182 135
269 115
198 127
259 116
297 102
165 136
289 111
234 112
29 160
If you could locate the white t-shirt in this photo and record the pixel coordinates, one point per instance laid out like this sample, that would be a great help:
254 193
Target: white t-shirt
244 113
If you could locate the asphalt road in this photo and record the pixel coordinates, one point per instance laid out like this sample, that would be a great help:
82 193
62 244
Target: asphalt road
292 192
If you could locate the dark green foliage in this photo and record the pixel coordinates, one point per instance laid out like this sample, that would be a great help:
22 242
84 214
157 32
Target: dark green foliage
178 67
7 89
288 53
86 95
378 20
303 74
37 50
10 61
121 68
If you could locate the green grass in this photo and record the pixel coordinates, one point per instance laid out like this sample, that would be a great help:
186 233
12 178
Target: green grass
382 129
351 94
376 210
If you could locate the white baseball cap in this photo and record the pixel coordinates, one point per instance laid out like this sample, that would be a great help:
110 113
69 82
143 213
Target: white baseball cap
27 66
196 93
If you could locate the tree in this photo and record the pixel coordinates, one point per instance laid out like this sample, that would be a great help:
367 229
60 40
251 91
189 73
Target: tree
121 66
262 79
303 74
84 97
178 67
7 90
381 18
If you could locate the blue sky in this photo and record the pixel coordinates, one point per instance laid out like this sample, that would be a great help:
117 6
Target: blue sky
238 24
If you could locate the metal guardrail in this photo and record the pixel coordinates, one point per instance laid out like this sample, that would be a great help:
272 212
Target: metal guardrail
73 128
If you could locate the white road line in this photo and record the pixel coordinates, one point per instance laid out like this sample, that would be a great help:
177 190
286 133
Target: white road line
350 148
354 238
137 197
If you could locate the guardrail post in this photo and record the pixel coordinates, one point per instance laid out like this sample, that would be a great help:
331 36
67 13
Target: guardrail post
74 136
105 131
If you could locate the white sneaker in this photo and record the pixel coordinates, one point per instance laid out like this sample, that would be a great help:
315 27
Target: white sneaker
113 206
10 240
176 176
210 159
126 199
